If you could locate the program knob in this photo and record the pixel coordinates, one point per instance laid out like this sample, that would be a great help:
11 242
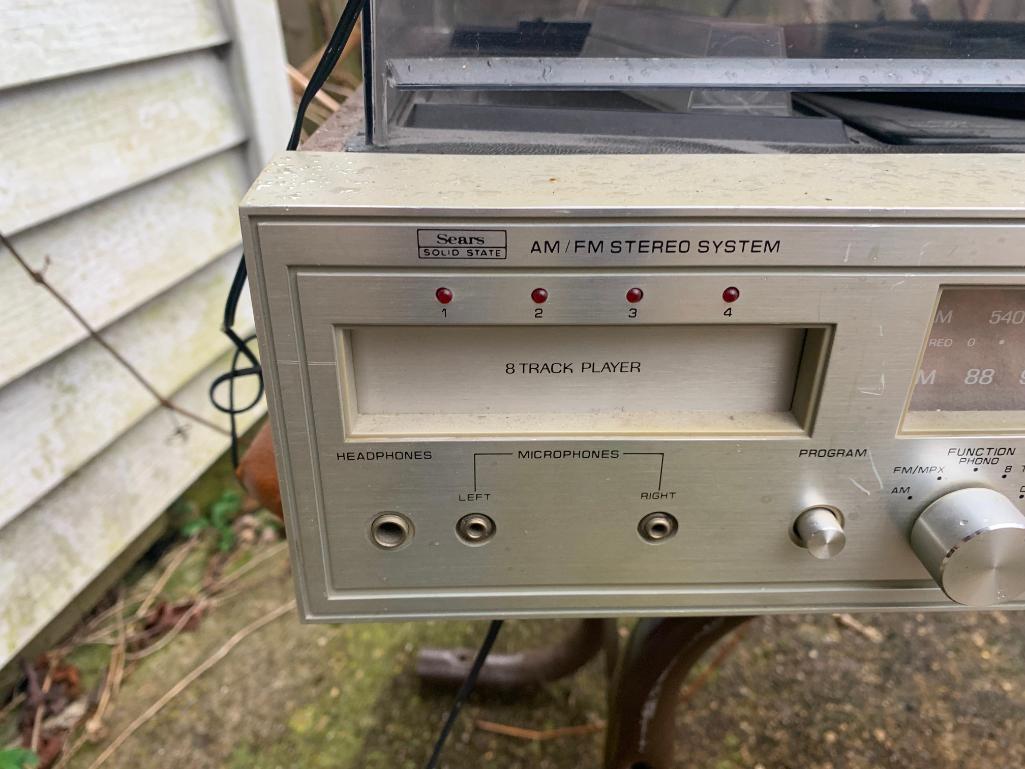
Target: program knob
820 530
972 542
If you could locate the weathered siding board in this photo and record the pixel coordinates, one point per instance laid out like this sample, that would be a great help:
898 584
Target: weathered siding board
44 39
113 256
71 142
55 549
71 408
261 83
125 144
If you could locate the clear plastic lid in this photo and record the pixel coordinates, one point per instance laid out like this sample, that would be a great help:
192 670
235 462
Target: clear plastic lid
809 73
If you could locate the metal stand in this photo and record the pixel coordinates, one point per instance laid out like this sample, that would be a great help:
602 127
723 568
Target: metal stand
535 666
645 684
642 707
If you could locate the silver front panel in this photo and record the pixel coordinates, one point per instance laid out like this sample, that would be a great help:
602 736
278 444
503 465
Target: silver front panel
566 503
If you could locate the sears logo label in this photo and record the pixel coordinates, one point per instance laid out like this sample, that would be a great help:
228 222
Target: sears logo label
461 244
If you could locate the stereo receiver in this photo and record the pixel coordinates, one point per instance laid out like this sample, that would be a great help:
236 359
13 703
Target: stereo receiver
606 385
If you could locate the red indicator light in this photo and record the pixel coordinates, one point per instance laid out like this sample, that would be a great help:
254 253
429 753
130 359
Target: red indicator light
539 295
634 295
731 294
444 295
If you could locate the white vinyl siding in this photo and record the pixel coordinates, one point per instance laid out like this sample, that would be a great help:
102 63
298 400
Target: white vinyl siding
128 133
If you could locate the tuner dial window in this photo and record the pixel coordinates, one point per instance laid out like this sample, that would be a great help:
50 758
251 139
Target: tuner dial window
973 366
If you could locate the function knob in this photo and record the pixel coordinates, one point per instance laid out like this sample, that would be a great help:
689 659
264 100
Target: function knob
972 542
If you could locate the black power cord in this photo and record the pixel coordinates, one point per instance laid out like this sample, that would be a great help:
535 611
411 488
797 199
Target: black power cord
328 61
243 350
464 692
